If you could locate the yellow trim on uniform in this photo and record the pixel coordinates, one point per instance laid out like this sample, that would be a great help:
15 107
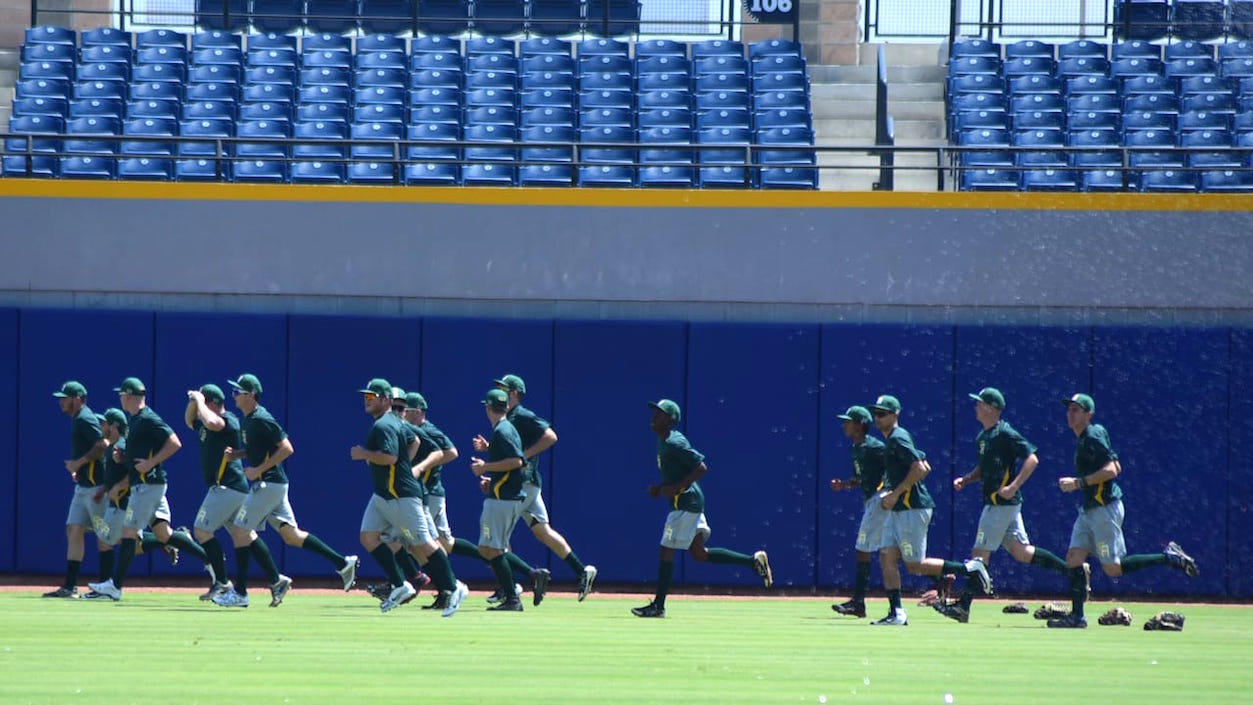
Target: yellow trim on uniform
91 472
996 495
1100 490
143 476
426 476
621 198
391 479
221 469
503 479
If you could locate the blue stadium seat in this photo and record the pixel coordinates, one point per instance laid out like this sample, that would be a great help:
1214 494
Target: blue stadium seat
1029 66
1136 66
490 143
198 92
364 61
1206 83
261 130
677 98
50 34
155 90
605 64
322 112
263 110
606 117
976 83
553 98
435 78
101 90
605 81
38 166
1168 181
726 117
787 177
208 109
768 141
1146 85
774 47
548 79
775 100
67 53
397 77
489 174
432 174
379 112
490 44
540 133
1190 67
1227 181
477 80
324 41
664 64
1084 153
1038 120
42 87
379 95
1081 85
271 40
1199 120
88 167
1049 180
601 46
1210 150
555 17
990 179
1143 157
215 73
973 46
1238 68
548 63
259 171
325 59
92 126
378 138
500 16
1152 102
1030 139
383 42
160 38
783 117
607 135
1148 120
563 117
1029 48
52 70
607 176
491 63
1242 49
435 114
783 63
1094 103
1082 66
993 144
1188 49
612 18
42 105
667 176
664 81
145 169
433 132
201 169
449 61
1243 121
325 139
1209 102
544 45
317 172
546 175
668 117
1086 121
722 100
491 115
279 75
270 57
489 96
1105 180
435 43
1035 84
211 130
107 36
330 93
1135 49
1141 19
724 167
103 71
34 125
96 107
982 119
719 66
660 47
149 127
1082 48
780 82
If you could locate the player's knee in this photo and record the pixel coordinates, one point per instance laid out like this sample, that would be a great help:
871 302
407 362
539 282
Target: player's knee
1113 570
914 568
700 554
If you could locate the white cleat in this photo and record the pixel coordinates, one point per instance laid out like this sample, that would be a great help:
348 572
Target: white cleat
349 572
108 589
895 619
230 598
398 597
455 598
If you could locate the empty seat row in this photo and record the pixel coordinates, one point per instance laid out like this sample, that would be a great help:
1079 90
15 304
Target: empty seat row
1164 180
1088 49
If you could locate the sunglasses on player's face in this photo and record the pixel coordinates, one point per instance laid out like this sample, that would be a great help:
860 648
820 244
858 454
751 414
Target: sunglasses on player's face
371 395
880 413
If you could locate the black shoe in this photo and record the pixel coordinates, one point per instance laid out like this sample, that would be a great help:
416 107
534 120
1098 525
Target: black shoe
1070 621
69 593
379 592
649 610
540 579
441 601
852 608
514 605
954 611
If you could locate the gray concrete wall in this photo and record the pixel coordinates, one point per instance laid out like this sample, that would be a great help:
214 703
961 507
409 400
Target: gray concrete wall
810 260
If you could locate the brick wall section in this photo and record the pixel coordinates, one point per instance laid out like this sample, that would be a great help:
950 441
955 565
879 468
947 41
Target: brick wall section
830 31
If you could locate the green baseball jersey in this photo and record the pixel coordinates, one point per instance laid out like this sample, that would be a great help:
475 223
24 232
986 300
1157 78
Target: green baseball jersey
676 459
1001 448
1093 453
868 465
114 471
505 444
144 439
391 435
84 434
901 454
217 470
262 435
431 478
531 428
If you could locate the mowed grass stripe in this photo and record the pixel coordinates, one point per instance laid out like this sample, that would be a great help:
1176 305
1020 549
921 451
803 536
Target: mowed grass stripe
331 648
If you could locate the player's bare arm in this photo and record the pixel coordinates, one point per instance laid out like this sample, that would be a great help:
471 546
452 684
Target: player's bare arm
431 461
283 452
479 443
671 491
197 408
851 483
1028 466
546 441
376 457
968 479
1105 474
917 472
170 447
96 452
504 465
450 454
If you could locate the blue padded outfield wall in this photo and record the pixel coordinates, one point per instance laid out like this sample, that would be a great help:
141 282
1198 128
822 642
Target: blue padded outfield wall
764 315
759 400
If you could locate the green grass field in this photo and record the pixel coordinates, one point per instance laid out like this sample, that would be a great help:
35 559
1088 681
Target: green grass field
321 647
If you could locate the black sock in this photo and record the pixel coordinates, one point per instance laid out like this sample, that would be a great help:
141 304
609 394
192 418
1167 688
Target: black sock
314 544
504 576
124 558
408 566
862 581
216 559
185 543
1047 559
71 573
519 566
387 561
106 564
1078 590
261 552
575 564
440 570
894 599
665 573
243 554
462 547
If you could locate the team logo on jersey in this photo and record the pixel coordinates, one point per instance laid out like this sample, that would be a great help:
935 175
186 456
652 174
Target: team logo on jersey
204 433
983 447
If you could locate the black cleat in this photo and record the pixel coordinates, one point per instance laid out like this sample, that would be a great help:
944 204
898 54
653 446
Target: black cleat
652 609
1180 560
852 608
379 592
1070 621
514 605
441 601
540 580
954 611
68 593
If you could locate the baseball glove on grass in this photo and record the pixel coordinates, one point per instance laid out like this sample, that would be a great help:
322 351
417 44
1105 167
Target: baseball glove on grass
1165 622
1052 610
1016 608
1116 615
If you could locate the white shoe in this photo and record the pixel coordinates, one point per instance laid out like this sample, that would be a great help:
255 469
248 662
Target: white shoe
454 599
895 619
230 598
980 573
349 572
279 590
586 580
108 589
217 589
398 596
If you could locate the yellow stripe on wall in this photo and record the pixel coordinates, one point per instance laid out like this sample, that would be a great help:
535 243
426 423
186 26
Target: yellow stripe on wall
622 198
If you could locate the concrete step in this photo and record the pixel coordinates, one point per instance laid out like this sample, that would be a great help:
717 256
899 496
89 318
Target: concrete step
899 110
902 54
864 180
9 60
907 131
866 91
868 74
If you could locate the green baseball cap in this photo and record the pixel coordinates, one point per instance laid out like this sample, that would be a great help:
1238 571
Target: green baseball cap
513 382
71 389
413 400
859 414
990 396
1082 400
398 394
668 408
887 402
131 385
115 416
247 383
497 399
212 392
378 386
